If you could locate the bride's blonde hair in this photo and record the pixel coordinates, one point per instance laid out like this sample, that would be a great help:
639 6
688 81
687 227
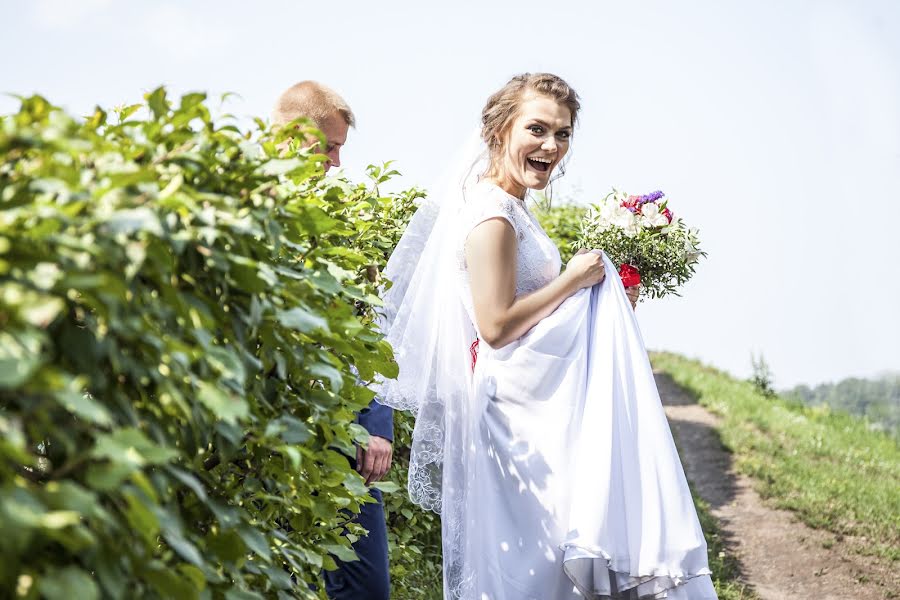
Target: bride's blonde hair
503 105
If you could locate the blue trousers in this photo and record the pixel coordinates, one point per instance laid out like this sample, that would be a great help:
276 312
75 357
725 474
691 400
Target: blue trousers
367 578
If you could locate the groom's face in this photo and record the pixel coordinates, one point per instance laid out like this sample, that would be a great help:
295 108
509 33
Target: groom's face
335 128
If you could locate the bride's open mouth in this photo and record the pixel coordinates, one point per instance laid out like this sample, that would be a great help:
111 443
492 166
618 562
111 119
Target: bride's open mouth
539 164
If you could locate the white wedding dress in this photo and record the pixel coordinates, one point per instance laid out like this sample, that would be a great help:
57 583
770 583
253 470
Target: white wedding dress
573 487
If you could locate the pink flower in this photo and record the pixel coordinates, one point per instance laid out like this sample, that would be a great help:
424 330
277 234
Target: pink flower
632 203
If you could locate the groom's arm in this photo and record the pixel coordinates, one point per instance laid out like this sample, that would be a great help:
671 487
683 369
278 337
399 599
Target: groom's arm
374 461
378 419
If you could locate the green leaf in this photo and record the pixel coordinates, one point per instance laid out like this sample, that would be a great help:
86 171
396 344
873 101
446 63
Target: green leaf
109 476
132 448
290 429
302 319
194 575
194 484
279 578
256 541
126 111
236 594
132 220
59 519
68 495
293 455
141 518
326 371
280 166
183 547
227 545
315 221
388 487
344 553
189 101
83 405
222 404
20 356
173 186
98 118
157 102
170 585
227 364
227 516
355 484
21 508
68 583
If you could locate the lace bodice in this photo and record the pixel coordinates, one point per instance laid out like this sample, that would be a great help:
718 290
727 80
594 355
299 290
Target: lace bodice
537 258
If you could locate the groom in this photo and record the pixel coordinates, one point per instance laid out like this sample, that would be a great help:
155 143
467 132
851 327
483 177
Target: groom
367 578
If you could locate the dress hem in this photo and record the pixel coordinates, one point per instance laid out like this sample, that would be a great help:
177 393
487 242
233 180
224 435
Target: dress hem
665 580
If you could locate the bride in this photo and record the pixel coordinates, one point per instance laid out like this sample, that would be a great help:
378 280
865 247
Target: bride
539 435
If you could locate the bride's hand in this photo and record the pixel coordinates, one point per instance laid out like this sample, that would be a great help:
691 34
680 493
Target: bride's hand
586 269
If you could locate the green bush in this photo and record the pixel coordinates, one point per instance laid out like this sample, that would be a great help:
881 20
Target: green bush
185 321
562 222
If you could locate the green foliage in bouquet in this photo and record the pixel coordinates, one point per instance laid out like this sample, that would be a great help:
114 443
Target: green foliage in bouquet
641 231
185 319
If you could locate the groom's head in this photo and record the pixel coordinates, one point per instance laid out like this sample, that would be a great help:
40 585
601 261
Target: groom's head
324 107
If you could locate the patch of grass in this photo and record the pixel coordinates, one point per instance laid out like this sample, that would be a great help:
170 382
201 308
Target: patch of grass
828 468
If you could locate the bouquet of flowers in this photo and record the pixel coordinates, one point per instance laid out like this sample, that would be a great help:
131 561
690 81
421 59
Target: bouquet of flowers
654 249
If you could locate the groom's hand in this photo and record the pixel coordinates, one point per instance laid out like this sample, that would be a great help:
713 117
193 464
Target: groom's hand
633 293
373 462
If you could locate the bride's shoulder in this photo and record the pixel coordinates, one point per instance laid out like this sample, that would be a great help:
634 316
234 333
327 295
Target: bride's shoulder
485 197
484 201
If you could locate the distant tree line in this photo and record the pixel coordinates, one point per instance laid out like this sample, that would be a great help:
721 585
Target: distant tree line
878 400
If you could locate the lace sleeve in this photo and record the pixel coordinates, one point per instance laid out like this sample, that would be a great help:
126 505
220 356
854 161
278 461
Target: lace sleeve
491 205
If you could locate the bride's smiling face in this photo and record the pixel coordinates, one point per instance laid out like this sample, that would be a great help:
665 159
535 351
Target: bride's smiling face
535 143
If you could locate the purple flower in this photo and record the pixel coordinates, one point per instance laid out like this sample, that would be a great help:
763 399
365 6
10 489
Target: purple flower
651 197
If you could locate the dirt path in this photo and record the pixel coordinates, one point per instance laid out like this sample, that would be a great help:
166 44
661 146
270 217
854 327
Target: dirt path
780 557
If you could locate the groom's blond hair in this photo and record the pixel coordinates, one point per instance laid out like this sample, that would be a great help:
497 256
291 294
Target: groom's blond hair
312 100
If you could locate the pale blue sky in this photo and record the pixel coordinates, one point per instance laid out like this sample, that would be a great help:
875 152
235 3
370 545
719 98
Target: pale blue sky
774 127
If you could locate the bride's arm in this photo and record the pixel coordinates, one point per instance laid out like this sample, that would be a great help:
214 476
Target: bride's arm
491 263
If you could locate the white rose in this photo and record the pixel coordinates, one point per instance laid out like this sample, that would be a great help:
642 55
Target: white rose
626 220
651 217
608 210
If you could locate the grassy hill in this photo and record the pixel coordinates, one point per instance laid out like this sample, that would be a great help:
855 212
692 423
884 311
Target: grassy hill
830 468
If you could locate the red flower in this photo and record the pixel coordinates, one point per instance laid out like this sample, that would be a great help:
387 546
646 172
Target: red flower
630 276
668 214
631 203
